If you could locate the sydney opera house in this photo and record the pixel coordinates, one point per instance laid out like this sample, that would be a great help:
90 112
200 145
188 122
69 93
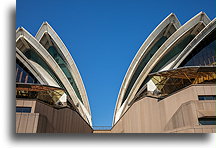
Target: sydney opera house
170 84
50 95
169 87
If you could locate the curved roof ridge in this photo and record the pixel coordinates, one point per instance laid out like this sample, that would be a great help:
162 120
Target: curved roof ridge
46 28
199 37
175 37
171 18
201 17
22 33
197 19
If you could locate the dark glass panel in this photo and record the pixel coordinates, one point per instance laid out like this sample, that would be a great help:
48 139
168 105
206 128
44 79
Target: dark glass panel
22 69
23 77
142 64
63 65
18 74
23 109
207 97
30 80
207 121
173 52
34 56
203 54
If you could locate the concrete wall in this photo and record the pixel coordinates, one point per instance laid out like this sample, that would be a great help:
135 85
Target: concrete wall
171 104
187 115
142 117
46 119
195 129
60 120
149 115
26 122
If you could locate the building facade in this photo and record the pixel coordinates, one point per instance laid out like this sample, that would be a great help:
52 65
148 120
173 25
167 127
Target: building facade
50 95
170 84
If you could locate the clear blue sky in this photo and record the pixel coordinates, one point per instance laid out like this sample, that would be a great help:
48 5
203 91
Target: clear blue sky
103 36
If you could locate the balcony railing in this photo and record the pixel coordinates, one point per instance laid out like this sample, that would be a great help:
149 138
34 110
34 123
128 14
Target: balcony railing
102 127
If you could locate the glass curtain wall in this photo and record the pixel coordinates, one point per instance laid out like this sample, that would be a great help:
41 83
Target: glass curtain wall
23 75
142 64
63 65
203 54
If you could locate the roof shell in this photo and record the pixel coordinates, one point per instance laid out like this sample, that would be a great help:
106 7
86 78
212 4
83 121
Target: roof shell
144 49
161 52
201 36
23 34
46 28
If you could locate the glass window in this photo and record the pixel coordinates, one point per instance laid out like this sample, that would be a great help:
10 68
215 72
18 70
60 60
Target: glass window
34 56
23 109
203 54
176 49
30 80
207 121
63 65
23 75
207 97
173 52
142 64
144 61
17 74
